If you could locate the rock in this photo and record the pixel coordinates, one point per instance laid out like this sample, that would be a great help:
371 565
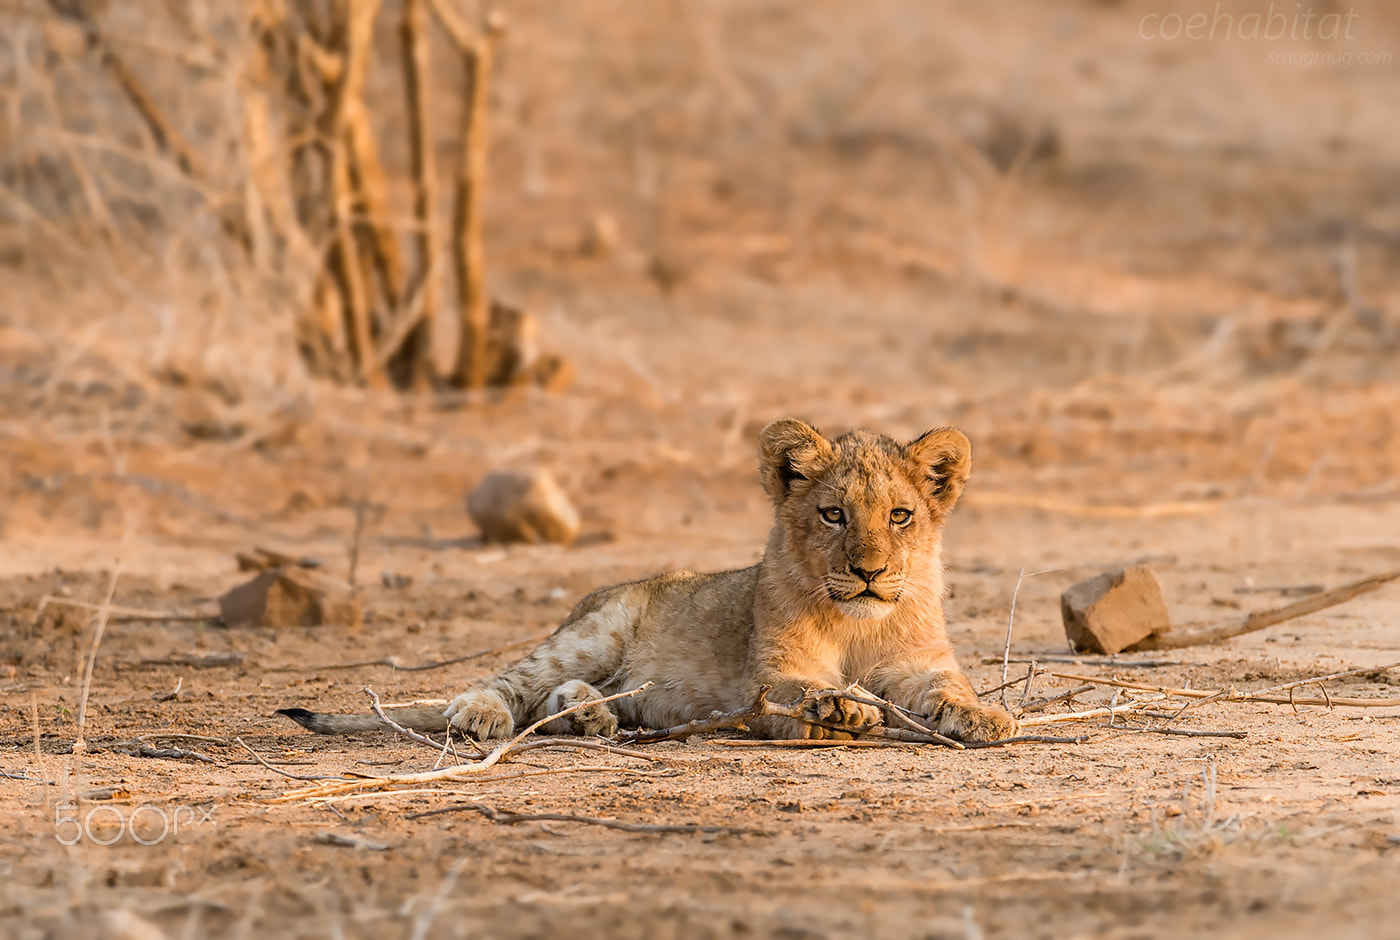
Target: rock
523 507
291 597
1110 612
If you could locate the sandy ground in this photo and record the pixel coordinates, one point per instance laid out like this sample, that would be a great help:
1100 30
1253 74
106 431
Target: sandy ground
1141 328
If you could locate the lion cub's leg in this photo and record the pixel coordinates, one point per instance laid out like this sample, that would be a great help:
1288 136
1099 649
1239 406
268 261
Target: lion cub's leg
591 719
588 647
946 699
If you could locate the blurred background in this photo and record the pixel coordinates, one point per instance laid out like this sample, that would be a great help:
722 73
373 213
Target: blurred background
241 245
285 280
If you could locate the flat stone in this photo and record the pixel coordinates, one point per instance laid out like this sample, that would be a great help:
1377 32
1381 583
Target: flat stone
1112 611
291 597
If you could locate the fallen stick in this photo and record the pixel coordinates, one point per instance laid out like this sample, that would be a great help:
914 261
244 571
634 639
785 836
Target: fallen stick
585 745
406 732
1186 732
1105 711
103 613
393 663
912 720
1139 686
337 786
1027 739
180 736
171 753
512 819
117 613
1176 639
1091 660
916 732
738 720
258 757
1267 696
348 842
799 743
1042 703
207 661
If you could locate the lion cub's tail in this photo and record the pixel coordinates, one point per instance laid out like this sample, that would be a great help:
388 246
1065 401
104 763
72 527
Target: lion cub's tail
429 718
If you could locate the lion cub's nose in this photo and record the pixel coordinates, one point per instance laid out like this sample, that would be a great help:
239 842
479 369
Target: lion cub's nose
866 574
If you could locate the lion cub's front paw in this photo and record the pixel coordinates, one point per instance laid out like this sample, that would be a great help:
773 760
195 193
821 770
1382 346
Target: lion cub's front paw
594 719
597 718
481 713
853 718
969 722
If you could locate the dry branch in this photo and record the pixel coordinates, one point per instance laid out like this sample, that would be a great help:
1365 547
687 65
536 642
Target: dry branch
338 787
916 730
172 753
349 842
1176 639
167 138
1106 711
411 366
1043 703
91 660
512 819
116 613
1186 732
393 663
583 744
259 758
738 720
1267 696
912 721
470 370
406 732
801 743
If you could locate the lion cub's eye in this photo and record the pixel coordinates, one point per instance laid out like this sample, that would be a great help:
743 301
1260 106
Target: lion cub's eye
832 516
900 516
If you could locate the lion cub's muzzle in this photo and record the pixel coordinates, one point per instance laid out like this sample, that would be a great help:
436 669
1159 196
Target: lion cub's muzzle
881 587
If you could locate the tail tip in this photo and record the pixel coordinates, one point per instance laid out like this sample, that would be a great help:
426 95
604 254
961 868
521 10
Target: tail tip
305 718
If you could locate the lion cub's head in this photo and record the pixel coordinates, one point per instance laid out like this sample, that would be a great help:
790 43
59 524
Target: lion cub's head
860 517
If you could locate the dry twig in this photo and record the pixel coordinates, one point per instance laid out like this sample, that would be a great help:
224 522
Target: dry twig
258 757
760 707
407 732
512 819
1267 696
393 663
339 786
98 629
1043 703
1175 639
116 613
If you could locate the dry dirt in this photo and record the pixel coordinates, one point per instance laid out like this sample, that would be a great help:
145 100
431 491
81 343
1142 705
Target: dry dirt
1140 325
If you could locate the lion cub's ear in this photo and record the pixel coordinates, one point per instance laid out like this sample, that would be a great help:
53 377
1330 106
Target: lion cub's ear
942 459
789 450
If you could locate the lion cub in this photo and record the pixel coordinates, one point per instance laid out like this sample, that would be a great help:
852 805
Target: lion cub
850 590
